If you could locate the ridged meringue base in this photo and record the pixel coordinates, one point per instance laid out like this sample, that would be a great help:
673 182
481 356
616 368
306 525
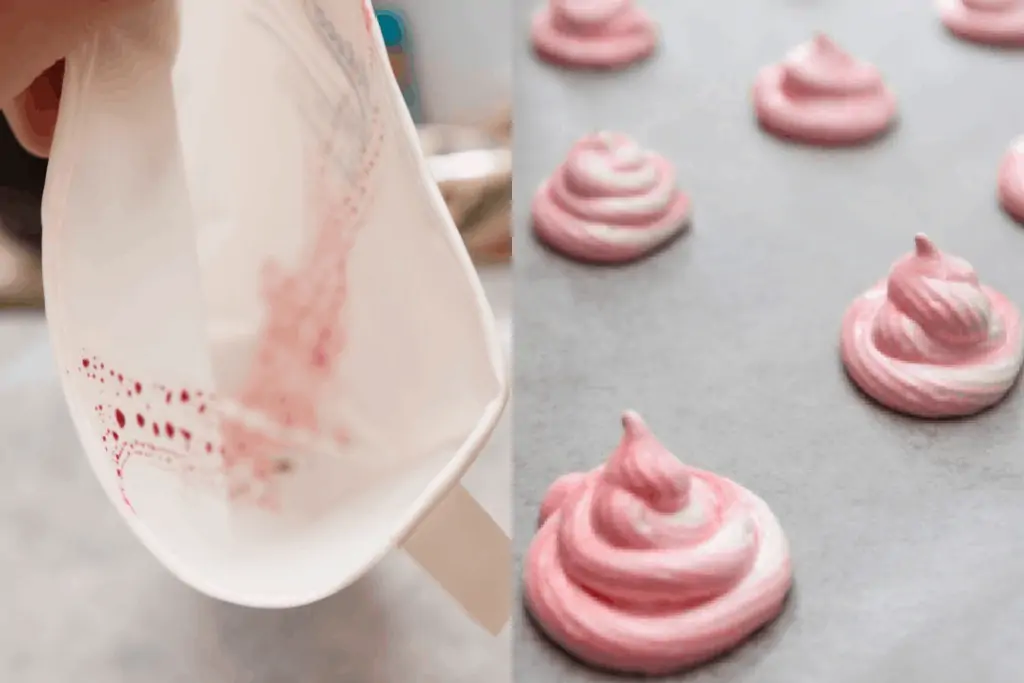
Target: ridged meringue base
598 633
991 27
828 123
604 243
590 51
925 390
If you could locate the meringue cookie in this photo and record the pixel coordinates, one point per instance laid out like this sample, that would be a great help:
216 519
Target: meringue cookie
646 565
1011 181
990 22
819 94
930 340
597 34
610 202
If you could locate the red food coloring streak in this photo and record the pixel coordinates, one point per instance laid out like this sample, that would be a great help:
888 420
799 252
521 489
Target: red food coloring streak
131 442
297 349
302 336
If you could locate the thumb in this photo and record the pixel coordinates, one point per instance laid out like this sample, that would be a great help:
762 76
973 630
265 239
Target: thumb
32 115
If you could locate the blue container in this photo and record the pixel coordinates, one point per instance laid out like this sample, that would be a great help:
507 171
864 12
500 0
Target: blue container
396 37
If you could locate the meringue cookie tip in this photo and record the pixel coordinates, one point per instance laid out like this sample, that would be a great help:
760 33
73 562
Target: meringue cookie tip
824 42
923 246
632 423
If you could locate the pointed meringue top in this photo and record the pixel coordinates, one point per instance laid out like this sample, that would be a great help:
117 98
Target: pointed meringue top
644 467
923 246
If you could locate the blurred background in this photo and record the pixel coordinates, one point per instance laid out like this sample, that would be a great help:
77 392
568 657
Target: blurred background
21 189
452 59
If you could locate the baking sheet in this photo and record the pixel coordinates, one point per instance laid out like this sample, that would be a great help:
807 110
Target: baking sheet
906 535
84 601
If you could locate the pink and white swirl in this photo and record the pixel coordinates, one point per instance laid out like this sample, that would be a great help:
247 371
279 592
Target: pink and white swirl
646 565
932 341
820 94
610 201
600 34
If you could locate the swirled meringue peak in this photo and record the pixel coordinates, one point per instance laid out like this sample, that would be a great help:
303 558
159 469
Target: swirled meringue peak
594 34
1011 180
819 94
610 201
932 341
646 565
990 22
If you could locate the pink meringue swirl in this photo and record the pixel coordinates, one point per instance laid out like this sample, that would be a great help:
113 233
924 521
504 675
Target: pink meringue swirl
601 34
610 201
989 22
648 566
931 341
819 94
1011 181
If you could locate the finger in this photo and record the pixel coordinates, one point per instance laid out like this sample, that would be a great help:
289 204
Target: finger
32 116
34 34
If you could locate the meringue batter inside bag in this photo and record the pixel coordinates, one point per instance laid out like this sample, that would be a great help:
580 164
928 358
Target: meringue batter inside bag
273 344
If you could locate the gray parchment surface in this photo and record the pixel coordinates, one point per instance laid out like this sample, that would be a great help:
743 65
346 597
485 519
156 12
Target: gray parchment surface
82 600
907 537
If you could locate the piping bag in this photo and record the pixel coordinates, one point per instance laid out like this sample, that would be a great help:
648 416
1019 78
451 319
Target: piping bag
273 345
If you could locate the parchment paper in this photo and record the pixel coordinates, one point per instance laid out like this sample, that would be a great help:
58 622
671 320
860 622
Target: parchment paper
906 536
